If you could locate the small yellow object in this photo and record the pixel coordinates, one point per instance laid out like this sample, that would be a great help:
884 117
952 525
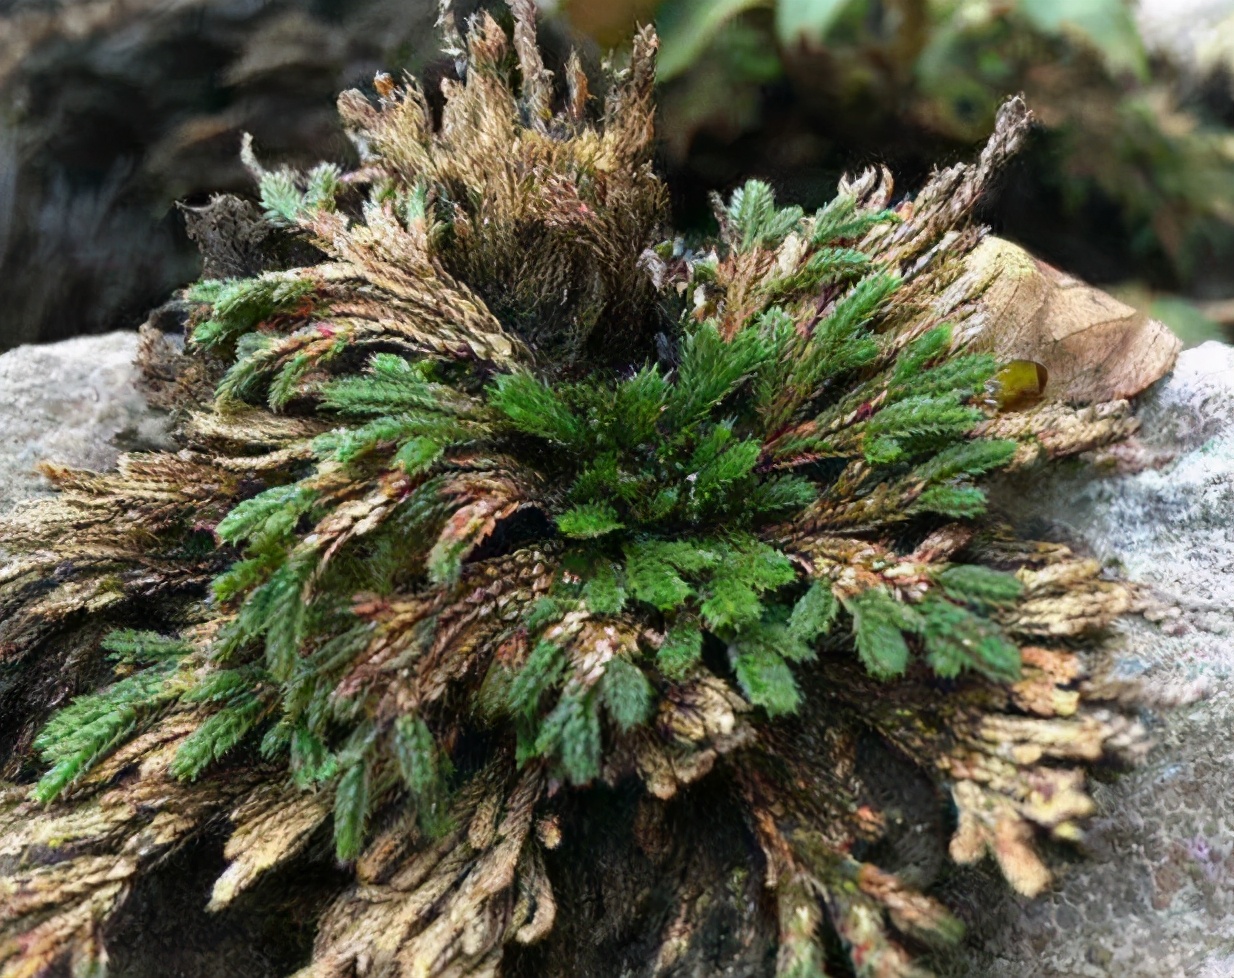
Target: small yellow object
1020 383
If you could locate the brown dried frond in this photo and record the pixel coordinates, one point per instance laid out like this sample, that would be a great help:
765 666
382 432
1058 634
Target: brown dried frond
546 223
448 909
68 868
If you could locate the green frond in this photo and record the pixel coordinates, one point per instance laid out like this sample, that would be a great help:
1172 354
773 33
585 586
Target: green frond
829 266
571 732
626 694
352 799
971 458
980 586
312 763
128 646
604 590
957 639
754 218
709 371
237 306
280 197
85 732
766 679
416 754
840 220
322 186
533 408
652 576
393 385
266 518
588 521
682 648
288 197
543 612
879 623
542 671
960 502
218 734
814 613
746 570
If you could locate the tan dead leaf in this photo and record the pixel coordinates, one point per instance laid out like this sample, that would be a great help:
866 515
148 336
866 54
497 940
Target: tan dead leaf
1094 347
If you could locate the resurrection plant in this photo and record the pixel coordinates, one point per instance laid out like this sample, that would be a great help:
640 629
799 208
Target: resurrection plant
504 513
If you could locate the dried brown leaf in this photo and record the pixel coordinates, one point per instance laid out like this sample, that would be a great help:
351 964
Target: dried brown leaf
1094 347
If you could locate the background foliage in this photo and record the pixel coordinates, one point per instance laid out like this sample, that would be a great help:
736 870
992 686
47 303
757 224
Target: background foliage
1130 180
109 114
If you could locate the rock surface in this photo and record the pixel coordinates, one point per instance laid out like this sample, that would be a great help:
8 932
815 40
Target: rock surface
1152 894
74 402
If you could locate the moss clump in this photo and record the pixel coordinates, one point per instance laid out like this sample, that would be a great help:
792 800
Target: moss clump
506 496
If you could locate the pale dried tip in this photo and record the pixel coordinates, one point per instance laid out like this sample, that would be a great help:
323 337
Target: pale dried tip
451 40
537 80
872 189
643 57
637 74
545 904
383 84
1174 694
719 212
578 92
656 269
1126 739
1011 128
1014 115
249 158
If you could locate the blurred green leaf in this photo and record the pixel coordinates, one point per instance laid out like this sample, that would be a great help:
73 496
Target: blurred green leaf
687 28
808 19
1187 320
1108 25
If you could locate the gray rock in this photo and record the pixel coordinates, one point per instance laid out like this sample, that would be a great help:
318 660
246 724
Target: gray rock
74 402
1153 894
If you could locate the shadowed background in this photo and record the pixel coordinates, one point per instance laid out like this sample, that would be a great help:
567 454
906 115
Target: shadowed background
111 111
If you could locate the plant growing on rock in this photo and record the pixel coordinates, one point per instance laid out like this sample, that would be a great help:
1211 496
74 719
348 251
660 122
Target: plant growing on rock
502 513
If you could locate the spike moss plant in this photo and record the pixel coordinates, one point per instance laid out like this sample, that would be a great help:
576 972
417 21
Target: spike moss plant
510 496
